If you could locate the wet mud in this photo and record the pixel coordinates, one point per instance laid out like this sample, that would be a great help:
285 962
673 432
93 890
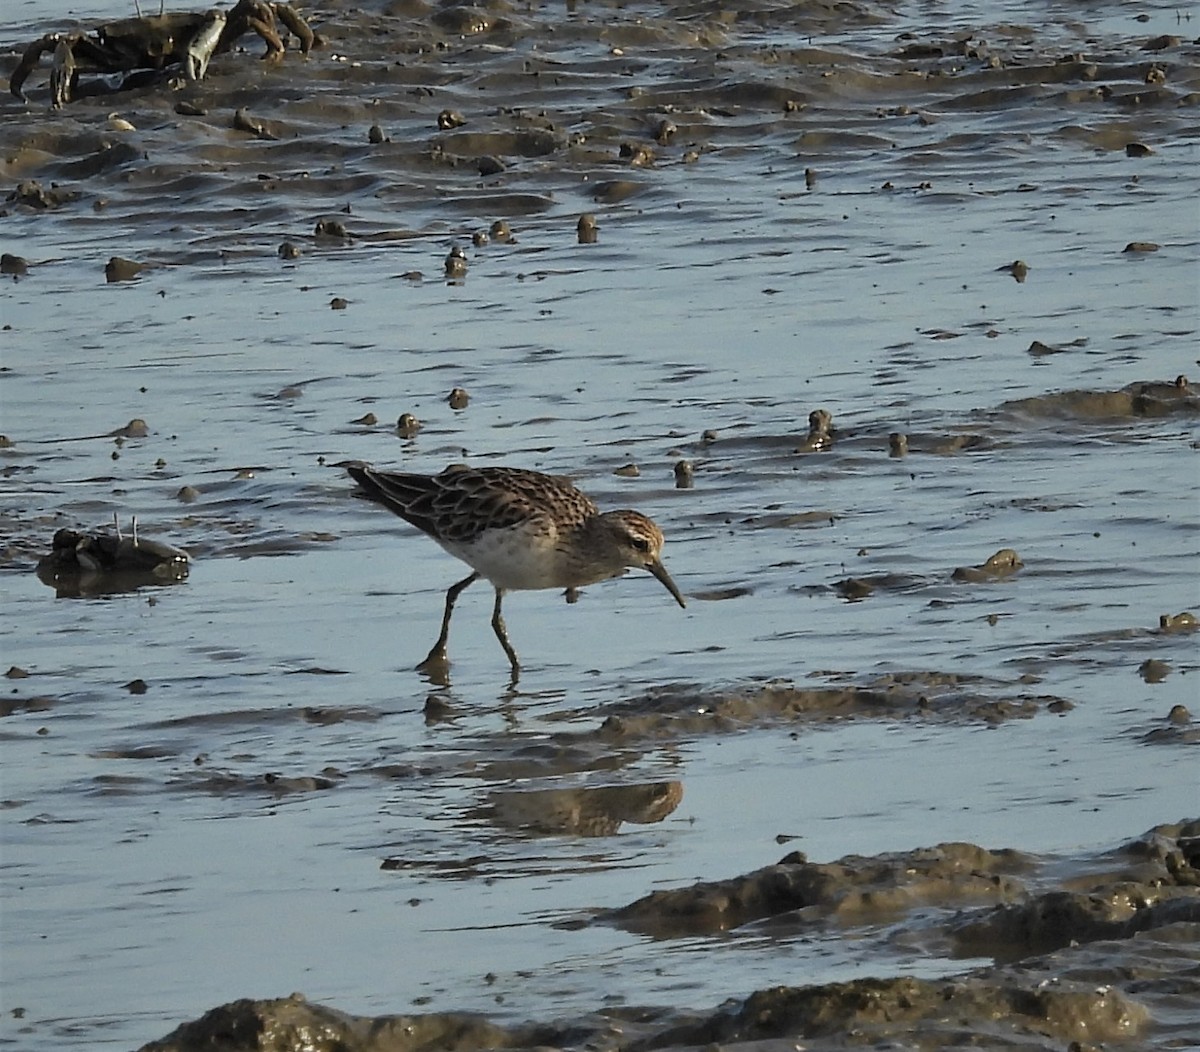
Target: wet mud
1090 952
885 312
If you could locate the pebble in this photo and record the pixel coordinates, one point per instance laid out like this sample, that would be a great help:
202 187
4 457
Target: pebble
456 263
1162 42
1153 671
1019 269
119 269
331 230
1004 563
637 155
587 229
613 191
1181 622
1039 349
243 120
136 428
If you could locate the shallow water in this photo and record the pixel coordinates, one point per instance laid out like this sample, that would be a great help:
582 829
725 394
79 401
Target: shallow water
152 869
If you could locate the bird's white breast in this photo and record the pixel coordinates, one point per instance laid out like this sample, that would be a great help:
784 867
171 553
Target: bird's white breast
522 557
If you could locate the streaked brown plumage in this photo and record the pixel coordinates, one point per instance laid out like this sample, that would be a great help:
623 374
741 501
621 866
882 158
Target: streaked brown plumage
518 529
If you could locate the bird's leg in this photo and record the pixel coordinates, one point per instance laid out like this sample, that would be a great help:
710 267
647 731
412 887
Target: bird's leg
437 659
502 635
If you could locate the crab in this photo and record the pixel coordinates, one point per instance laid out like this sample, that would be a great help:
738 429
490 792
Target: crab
187 39
92 563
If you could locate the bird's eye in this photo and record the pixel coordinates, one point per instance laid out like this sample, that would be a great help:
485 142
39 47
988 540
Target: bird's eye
640 544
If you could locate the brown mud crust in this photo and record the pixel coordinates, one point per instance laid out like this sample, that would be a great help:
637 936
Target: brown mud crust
543 794
1097 952
685 711
584 811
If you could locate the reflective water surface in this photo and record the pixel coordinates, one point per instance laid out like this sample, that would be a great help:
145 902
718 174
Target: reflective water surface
281 803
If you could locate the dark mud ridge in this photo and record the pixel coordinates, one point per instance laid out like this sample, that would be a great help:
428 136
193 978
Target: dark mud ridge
1089 953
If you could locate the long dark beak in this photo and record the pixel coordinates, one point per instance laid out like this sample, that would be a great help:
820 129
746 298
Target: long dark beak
660 572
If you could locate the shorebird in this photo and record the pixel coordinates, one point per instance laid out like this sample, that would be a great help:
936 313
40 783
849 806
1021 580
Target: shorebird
518 529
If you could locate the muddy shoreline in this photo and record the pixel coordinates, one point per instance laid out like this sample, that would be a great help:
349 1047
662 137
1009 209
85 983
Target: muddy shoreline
1097 952
886 313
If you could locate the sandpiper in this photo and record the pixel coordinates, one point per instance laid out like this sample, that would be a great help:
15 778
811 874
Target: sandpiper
518 529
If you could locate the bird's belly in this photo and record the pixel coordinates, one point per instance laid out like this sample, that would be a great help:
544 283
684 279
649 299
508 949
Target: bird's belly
512 559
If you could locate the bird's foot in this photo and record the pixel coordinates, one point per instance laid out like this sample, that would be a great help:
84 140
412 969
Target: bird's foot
436 665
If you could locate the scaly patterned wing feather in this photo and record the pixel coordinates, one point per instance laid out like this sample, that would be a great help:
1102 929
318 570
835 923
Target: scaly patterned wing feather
461 502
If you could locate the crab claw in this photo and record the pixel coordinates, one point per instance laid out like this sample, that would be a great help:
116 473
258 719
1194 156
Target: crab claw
204 43
28 64
62 76
299 28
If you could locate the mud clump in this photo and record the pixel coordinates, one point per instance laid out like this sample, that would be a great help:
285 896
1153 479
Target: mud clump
15 266
1143 900
679 711
1060 918
1184 621
1004 563
1151 883
883 1009
31 194
590 811
874 1010
291 1023
120 269
1139 399
852 889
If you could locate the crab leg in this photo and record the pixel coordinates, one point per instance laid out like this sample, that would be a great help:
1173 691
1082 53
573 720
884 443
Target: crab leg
28 63
63 73
269 37
204 43
299 28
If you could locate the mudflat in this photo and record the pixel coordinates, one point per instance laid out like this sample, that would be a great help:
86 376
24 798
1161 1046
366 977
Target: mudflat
886 314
